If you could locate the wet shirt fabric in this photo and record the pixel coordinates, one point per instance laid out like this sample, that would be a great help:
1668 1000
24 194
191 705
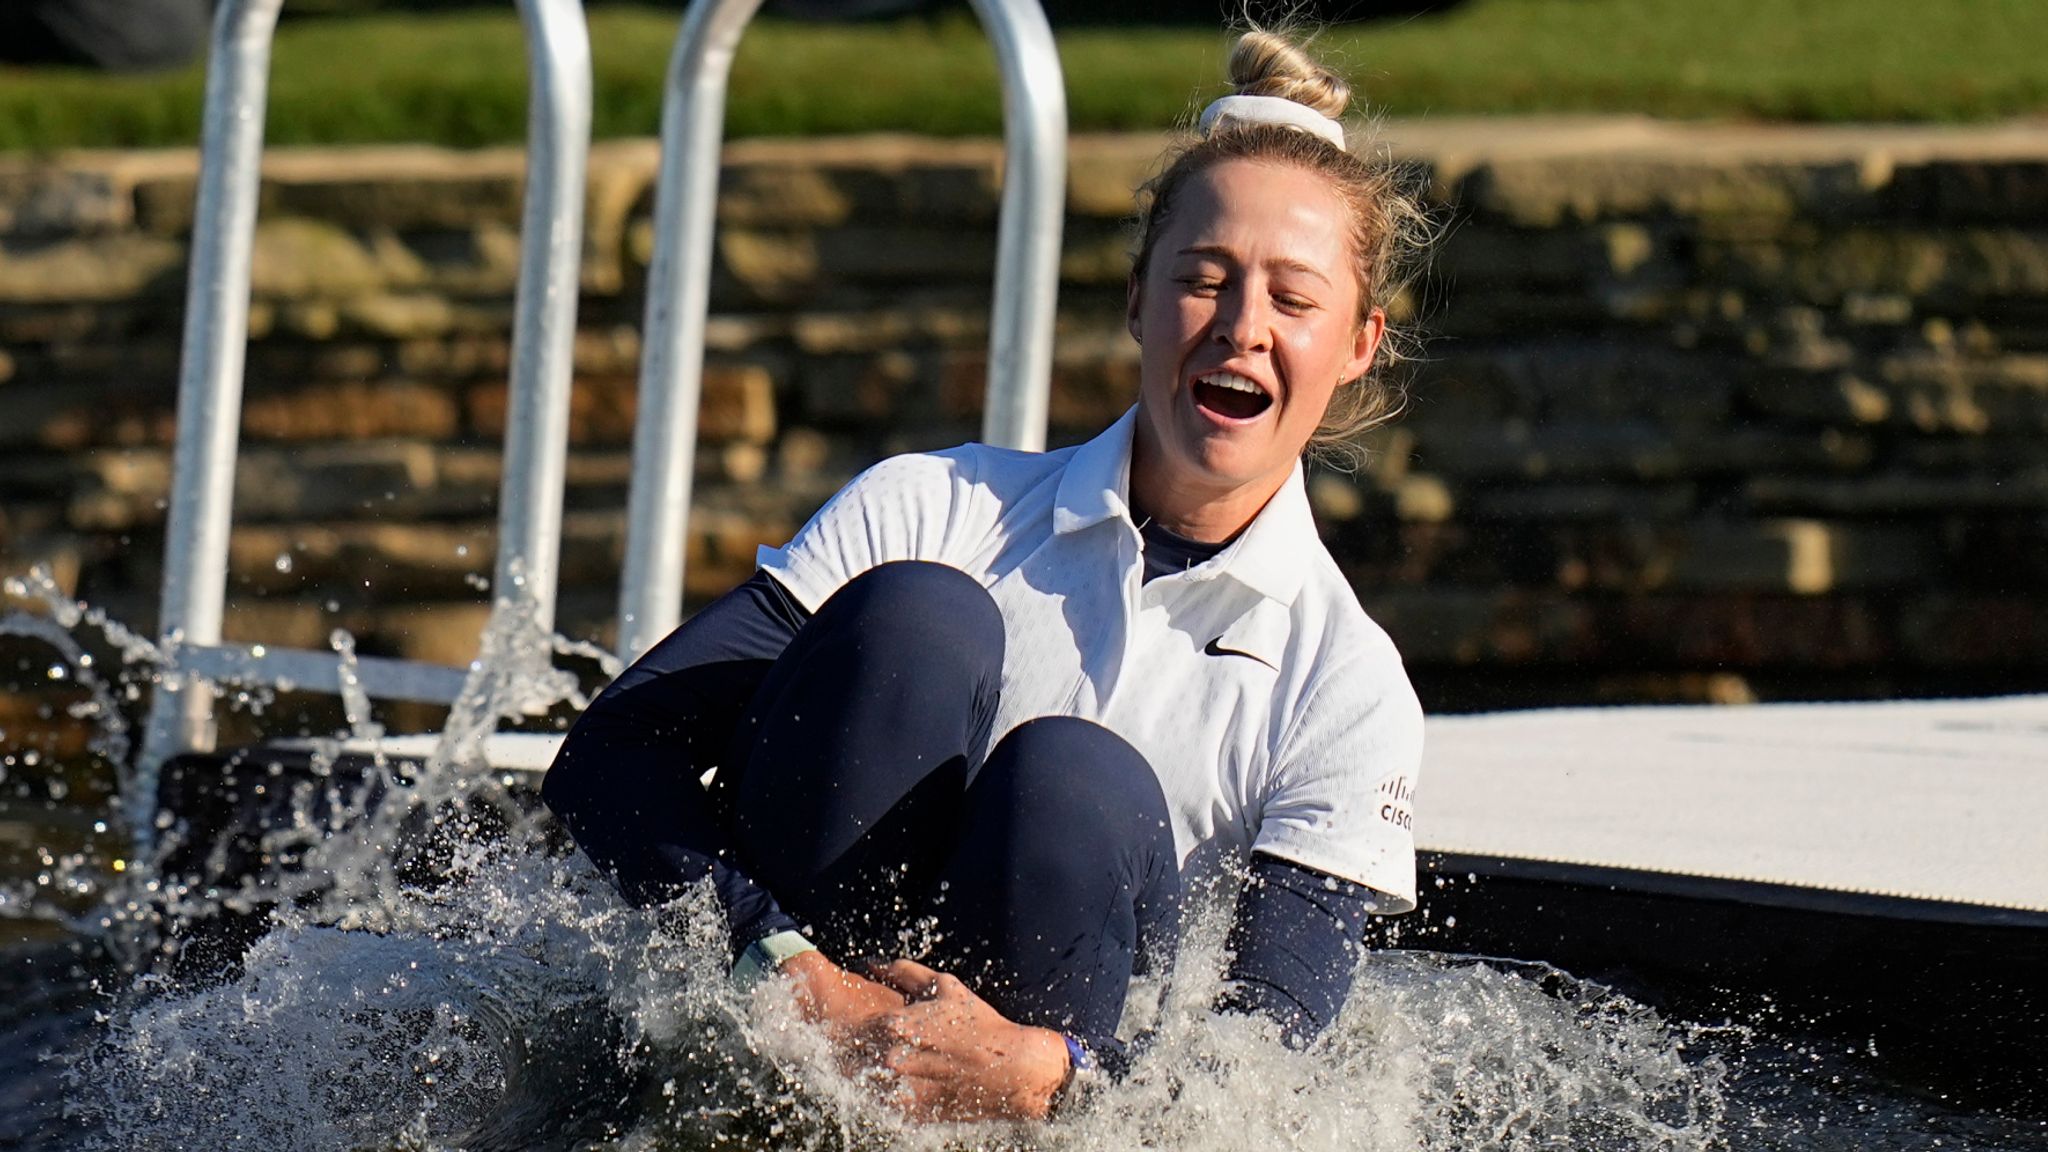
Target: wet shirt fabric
1275 712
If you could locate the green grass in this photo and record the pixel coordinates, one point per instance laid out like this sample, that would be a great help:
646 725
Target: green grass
458 78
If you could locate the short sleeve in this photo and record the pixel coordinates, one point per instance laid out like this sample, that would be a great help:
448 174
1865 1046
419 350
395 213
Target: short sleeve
1343 784
904 508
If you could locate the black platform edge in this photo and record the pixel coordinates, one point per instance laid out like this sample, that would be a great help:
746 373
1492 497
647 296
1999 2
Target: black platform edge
1949 997
1691 886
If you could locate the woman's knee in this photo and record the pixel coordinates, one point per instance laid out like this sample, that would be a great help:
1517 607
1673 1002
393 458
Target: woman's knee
925 603
1074 778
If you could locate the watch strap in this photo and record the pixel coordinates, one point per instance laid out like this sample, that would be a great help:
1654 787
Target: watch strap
759 960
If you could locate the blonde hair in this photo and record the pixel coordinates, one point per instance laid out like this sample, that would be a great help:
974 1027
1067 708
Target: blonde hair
1269 64
1391 230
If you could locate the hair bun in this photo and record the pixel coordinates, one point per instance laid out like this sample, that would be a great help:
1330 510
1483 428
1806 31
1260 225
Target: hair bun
1269 64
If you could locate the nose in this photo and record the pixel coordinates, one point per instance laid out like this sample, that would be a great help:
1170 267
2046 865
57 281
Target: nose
1241 321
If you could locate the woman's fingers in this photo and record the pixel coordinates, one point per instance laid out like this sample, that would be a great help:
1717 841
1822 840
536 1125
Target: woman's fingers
908 977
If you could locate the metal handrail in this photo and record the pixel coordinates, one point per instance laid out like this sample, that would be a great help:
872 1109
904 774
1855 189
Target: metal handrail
216 337
201 504
530 511
544 316
679 280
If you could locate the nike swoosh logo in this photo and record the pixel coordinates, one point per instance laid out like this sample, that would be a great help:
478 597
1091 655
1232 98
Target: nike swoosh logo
1215 648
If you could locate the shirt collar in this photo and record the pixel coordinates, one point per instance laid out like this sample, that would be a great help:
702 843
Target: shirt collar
1271 557
1095 485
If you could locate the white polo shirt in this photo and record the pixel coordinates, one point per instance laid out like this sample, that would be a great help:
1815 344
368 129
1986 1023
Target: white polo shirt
1276 714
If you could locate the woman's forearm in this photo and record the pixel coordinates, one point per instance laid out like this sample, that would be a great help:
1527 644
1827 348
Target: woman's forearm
1297 937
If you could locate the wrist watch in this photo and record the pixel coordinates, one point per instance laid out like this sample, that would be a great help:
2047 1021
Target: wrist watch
1082 1077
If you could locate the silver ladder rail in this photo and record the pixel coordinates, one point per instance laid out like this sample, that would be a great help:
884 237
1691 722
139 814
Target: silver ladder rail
679 280
210 376
216 333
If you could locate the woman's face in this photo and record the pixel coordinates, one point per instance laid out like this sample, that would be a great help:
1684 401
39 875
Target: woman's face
1247 315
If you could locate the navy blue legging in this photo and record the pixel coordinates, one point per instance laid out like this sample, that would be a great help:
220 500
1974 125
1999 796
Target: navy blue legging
842 803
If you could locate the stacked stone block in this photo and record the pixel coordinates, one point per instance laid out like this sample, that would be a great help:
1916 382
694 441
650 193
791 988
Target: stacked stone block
1703 413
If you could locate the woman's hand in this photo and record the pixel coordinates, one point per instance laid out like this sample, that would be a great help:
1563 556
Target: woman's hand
840 1001
954 1056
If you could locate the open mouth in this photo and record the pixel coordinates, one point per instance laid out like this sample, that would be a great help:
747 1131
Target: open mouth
1230 396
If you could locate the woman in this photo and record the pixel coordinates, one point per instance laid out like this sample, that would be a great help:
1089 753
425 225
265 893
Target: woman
996 709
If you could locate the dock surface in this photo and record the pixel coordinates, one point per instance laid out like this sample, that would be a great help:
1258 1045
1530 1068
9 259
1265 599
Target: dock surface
1935 800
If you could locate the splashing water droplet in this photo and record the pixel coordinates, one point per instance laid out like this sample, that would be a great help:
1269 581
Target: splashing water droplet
355 702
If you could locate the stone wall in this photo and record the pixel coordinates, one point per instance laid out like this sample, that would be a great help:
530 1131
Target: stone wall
1706 413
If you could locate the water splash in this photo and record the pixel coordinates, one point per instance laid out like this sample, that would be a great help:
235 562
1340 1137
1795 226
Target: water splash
355 842
430 974
70 878
506 1006
40 586
109 739
355 702
484 1008
141 663
350 829
513 675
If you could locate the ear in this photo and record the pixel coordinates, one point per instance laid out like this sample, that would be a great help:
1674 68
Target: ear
1134 298
1365 345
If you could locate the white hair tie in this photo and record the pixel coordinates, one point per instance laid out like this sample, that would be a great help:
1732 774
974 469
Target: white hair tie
1270 110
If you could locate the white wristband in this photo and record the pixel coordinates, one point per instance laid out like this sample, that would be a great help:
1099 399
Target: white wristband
761 958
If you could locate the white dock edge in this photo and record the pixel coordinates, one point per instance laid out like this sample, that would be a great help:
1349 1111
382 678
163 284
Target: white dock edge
1935 800
504 751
